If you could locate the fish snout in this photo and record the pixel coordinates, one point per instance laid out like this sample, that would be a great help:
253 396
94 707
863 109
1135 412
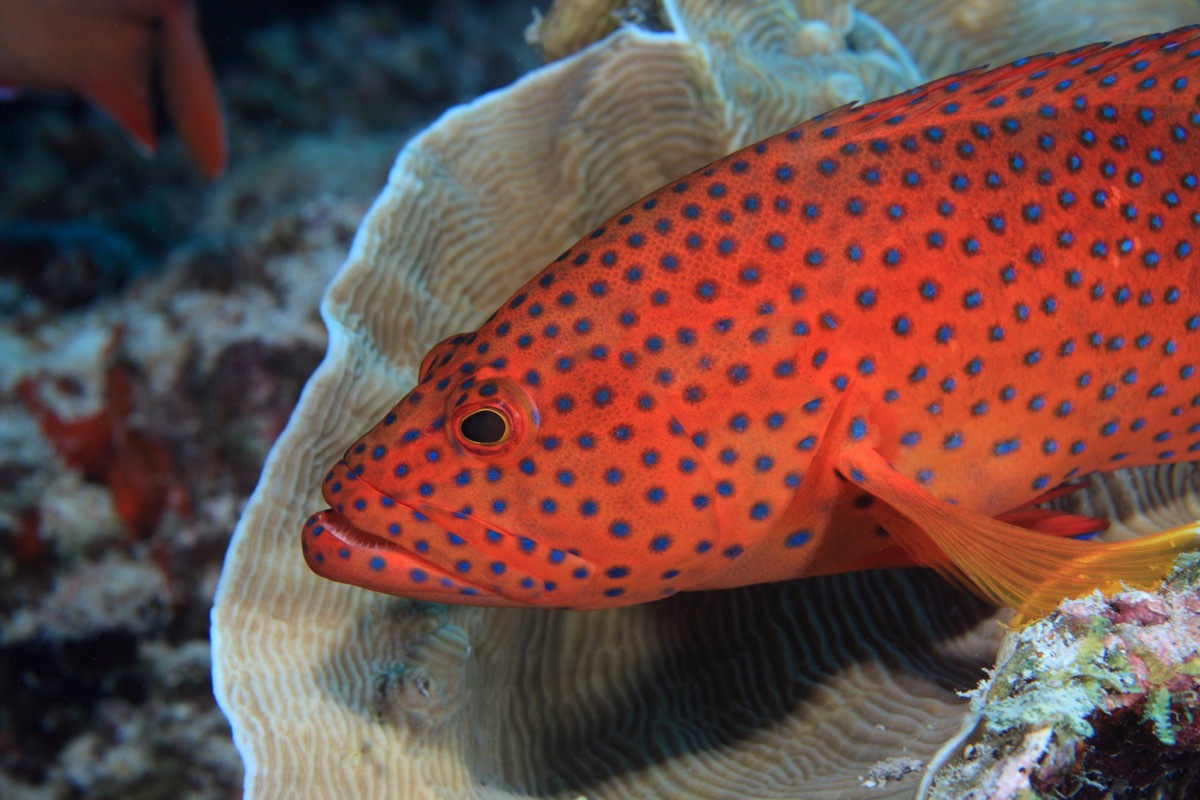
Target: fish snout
422 551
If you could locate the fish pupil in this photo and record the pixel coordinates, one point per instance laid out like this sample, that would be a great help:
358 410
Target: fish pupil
485 426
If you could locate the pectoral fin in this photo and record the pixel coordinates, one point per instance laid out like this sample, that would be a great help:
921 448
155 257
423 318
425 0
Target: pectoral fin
1002 562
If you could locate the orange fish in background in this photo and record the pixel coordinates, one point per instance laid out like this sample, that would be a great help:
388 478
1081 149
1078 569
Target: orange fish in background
107 51
873 340
136 466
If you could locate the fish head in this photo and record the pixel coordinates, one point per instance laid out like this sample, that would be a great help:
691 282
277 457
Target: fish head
527 477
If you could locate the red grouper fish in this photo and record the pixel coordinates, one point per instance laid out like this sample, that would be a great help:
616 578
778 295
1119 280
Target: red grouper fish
874 340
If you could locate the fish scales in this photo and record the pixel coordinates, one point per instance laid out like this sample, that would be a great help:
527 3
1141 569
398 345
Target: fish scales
860 343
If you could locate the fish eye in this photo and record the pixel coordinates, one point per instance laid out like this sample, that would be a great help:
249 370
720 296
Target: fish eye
487 427
499 423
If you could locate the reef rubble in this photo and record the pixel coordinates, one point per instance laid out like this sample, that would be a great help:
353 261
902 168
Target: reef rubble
1099 699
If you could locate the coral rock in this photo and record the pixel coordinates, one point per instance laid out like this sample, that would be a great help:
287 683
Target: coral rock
945 36
1098 698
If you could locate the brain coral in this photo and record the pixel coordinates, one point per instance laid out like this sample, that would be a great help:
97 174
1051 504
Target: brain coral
822 689
947 35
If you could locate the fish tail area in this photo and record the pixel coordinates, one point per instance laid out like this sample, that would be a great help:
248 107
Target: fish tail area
122 87
190 89
1006 564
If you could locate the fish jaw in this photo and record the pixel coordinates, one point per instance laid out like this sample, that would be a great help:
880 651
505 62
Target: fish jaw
334 549
424 552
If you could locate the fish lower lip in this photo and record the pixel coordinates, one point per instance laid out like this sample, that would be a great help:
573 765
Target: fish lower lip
367 548
344 530
337 549
372 538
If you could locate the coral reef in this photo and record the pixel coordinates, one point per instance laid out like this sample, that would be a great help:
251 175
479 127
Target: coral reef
571 25
1097 700
198 302
108 574
140 305
946 35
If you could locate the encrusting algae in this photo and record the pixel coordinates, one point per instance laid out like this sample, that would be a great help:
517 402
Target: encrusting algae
1102 694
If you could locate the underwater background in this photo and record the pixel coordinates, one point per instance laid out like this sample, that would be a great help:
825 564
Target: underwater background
154 320
157 328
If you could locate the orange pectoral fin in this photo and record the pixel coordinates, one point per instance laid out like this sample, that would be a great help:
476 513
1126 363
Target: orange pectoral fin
1006 564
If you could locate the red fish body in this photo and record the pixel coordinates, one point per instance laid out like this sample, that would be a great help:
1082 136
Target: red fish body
852 345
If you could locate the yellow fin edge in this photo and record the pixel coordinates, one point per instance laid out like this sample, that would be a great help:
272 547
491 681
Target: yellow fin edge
1008 565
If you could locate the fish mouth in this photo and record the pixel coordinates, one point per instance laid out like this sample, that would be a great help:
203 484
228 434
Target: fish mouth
336 549
426 552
